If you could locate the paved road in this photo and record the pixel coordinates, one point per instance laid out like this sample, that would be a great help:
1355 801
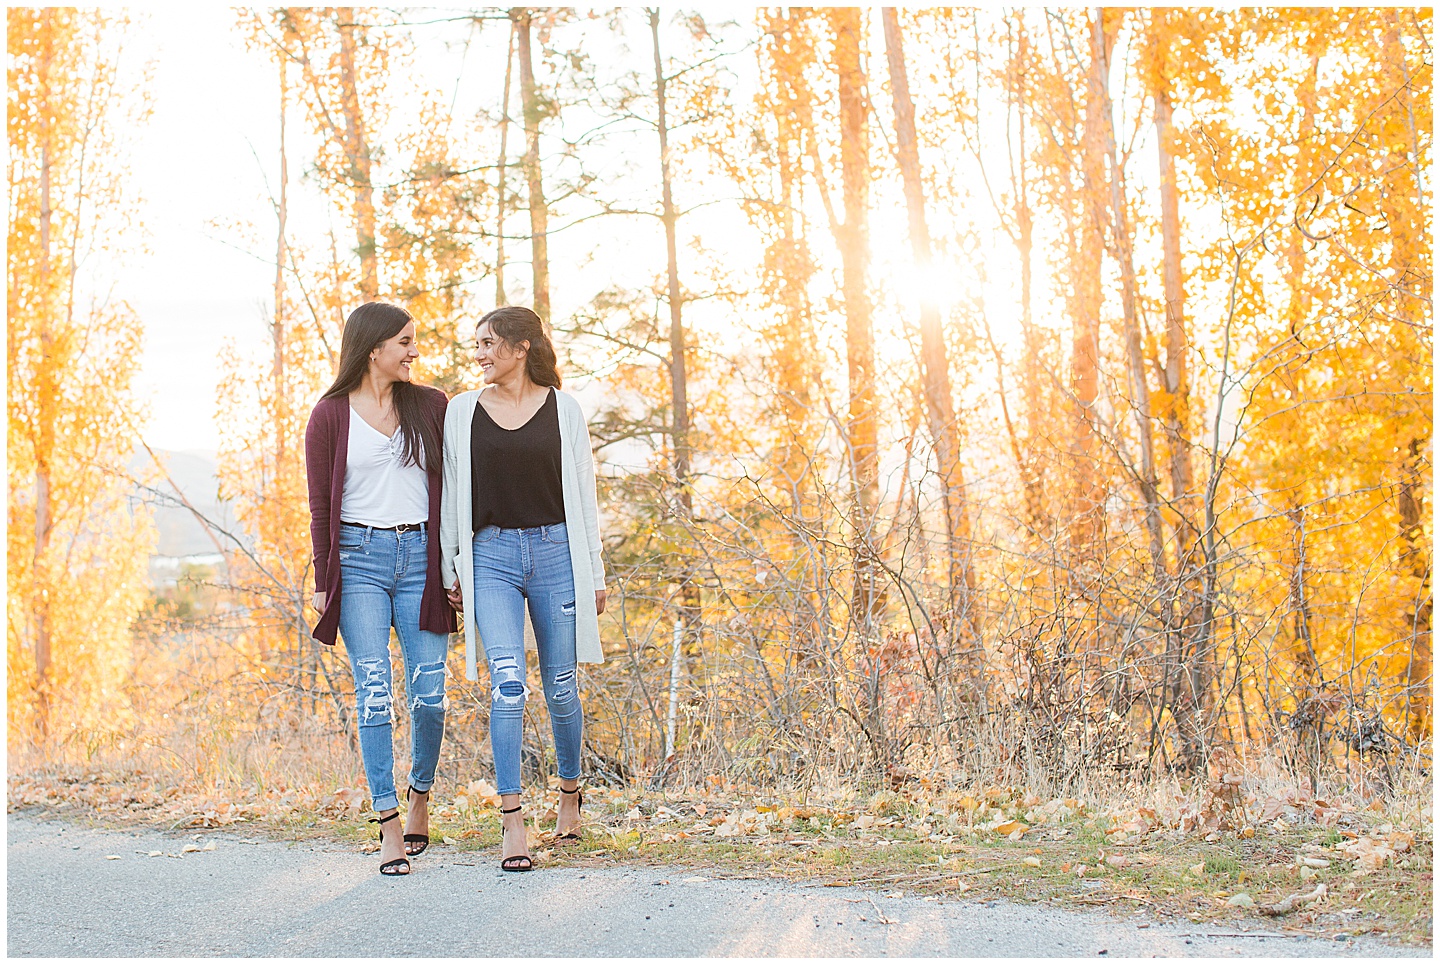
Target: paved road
245 897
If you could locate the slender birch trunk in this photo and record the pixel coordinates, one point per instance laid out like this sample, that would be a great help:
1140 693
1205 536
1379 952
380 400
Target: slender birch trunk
357 154
500 199
533 113
1100 47
939 404
277 328
1087 495
46 392
854 239
679 403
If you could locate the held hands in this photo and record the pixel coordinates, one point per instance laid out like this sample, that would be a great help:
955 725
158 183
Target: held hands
599 602
319 602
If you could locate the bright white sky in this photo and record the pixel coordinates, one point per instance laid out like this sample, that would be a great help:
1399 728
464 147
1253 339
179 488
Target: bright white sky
202 162
194 288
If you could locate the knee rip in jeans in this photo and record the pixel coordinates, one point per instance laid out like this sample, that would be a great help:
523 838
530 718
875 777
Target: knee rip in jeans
375 703
427 685
563 684
508 682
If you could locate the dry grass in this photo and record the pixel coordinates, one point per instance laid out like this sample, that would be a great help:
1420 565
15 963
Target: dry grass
1173 849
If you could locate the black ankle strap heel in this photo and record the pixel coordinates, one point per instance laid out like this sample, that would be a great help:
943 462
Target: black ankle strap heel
580 802
423 840
518 862
396 866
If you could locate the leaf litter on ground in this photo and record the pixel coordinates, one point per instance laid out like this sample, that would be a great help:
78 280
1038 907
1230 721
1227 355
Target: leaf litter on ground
1188 852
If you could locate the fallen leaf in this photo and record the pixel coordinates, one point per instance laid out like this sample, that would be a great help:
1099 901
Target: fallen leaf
700 810
1010 827
482 792
112 857
1198 869
209 846
189 848
155 854
1400 841
1032 862
1242 900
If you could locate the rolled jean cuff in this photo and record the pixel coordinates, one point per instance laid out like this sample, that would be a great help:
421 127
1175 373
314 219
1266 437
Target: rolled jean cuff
421 790
389 804
509 790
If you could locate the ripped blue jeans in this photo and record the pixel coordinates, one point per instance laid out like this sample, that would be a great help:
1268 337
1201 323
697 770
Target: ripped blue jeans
514 567
382 578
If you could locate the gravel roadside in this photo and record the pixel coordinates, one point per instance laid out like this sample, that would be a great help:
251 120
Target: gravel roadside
81 891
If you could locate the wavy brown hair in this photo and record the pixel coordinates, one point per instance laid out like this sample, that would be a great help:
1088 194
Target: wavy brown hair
367 328
513 324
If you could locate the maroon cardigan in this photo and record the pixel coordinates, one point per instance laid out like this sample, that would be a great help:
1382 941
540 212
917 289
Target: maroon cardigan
327 440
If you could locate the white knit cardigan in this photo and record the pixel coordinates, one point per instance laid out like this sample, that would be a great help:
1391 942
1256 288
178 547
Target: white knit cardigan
577 483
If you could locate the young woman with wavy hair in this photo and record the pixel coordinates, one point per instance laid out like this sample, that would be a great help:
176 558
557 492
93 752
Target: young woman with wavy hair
519 528
373 462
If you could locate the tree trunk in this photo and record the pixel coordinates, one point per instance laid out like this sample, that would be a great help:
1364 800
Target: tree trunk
854 244
277 330
1031 477
46 390
680 411
939 404
1174 407
500 298
279 397
679 404
357 153
1087 495
1175 401
1101 43
1416 557
792 337
533 113
1411 280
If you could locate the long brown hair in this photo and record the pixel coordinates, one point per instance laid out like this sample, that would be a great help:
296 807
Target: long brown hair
367 328
513 324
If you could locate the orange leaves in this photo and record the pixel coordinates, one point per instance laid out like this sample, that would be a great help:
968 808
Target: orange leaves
76 547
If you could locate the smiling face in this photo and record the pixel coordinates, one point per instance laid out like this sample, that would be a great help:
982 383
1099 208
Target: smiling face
497 360
390 360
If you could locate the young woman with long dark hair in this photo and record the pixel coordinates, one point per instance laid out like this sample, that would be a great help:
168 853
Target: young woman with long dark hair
373 463
519 526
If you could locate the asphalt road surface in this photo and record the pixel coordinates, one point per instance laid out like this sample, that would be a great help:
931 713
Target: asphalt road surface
68 896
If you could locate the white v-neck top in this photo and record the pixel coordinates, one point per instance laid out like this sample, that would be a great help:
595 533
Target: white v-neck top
379 489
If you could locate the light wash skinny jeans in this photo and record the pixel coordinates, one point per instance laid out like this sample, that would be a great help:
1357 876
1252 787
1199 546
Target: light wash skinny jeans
514 567
382 578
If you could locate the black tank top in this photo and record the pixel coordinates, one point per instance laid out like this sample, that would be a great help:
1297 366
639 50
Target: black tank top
515 473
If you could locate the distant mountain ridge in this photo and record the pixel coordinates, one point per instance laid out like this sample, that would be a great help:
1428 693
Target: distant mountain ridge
193 472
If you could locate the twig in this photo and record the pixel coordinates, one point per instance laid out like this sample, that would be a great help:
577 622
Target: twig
1294 901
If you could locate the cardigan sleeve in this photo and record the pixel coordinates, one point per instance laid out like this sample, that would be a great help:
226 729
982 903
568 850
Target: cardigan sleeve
585 475
319 463
450 492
